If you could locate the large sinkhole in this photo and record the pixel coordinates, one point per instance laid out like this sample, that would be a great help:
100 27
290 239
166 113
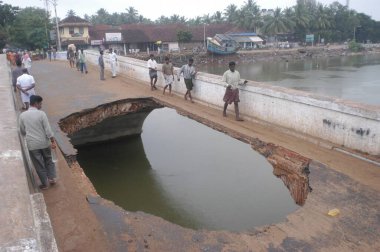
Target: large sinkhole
188 174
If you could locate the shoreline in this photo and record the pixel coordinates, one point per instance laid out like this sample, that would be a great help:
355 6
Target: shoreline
274 55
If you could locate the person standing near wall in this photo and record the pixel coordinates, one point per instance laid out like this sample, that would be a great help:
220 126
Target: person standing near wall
16 72
101 65
232 78
54 53
189 73
152 65
113 60
71 57
82 61
27 61
168 73
34 125
76 56
49 53
25 83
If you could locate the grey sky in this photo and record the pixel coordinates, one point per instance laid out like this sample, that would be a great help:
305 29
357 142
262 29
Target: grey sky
153 9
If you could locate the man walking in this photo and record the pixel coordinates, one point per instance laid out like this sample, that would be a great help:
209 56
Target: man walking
16 72
35 126
26 61
232 78
25 83
189 73
101 65
82 62
152 65
113 60
168 72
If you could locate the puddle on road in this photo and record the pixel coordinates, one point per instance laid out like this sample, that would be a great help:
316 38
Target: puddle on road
189 174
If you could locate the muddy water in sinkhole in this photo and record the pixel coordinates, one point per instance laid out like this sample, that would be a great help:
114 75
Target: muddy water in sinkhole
188 174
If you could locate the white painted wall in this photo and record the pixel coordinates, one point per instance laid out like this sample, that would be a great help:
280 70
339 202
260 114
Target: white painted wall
344 123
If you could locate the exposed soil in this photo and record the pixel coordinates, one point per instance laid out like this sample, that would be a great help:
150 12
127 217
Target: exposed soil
84 222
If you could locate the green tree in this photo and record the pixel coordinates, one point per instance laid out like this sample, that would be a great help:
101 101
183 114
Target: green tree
30 27
278 23
321 22
302 20
7 17
70 13
132 15
249 16
230 13
184 36
217 18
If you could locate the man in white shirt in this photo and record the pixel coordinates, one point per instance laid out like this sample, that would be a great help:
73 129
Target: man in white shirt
232 78
35 126
152 65
25 83
113 60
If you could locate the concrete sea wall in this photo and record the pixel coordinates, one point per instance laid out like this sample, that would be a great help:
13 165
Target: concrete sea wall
344 123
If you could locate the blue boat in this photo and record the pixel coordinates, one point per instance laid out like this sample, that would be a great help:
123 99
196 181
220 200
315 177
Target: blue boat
222 44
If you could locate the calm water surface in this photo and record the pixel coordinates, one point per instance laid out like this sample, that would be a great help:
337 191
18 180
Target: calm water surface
188 174
354 78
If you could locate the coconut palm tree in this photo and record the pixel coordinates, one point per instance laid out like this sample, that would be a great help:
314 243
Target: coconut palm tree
217 18
230 13
249 16
278 23
321 20
132 15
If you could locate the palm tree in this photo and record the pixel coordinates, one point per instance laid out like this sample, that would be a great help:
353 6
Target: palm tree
132 15
230 13
278 23
217 18
321 20
249 16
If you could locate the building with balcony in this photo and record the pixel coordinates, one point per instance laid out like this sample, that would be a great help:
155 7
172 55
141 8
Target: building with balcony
74 30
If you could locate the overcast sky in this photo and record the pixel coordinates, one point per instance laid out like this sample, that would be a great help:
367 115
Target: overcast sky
153 9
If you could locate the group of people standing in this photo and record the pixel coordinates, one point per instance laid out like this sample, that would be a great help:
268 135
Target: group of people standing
77 59
113 62
34 126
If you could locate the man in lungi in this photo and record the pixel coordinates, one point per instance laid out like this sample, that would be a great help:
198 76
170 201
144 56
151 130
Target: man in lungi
168 72
25 83
232 78
152 65
189 73
113 60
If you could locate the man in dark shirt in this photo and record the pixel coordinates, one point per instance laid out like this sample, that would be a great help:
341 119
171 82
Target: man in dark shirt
16 72
101 65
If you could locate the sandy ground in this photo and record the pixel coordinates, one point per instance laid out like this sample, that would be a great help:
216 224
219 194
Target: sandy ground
338 181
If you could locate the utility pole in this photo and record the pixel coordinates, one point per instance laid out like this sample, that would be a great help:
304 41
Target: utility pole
204 36
58 36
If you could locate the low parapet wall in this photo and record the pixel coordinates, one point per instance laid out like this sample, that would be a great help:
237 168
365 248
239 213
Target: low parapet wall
25 224
345 123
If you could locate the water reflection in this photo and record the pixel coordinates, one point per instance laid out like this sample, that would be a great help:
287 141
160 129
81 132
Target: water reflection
349 77
121 172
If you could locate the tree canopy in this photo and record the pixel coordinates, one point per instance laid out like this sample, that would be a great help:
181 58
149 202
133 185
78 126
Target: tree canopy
335 22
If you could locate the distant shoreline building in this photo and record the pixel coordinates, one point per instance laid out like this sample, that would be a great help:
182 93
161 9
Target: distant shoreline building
74 30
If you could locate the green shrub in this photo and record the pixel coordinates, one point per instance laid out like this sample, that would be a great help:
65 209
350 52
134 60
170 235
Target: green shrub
355 47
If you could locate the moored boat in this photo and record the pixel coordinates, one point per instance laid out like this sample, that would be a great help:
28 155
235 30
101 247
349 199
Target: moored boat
222 44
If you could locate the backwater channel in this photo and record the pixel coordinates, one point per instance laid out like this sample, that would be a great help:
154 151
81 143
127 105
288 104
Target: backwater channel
189 174
349 77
